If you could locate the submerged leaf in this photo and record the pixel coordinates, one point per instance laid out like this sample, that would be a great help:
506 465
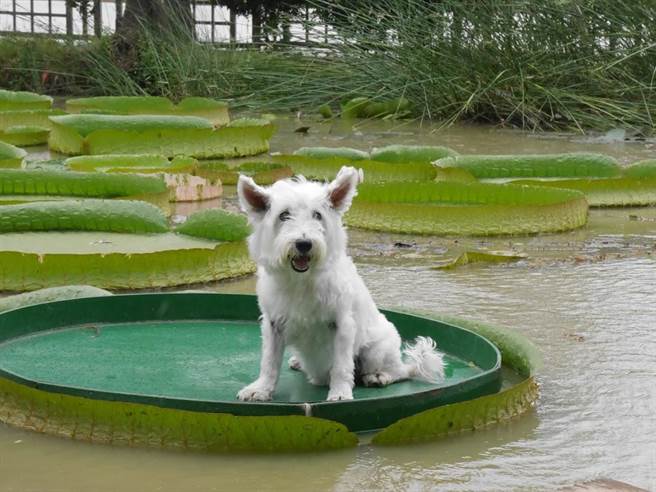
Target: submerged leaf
479 257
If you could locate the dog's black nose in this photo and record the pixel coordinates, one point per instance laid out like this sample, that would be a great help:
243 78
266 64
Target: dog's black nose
303 246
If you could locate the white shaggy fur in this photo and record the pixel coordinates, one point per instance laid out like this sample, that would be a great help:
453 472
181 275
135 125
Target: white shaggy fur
313 299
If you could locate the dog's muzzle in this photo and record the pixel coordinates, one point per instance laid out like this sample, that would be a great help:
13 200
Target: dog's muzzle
301 260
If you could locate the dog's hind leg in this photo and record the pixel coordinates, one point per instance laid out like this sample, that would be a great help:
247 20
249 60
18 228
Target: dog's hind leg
381 363
272 352
294 363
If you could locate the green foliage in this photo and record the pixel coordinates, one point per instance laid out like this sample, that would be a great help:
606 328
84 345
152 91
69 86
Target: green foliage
530 64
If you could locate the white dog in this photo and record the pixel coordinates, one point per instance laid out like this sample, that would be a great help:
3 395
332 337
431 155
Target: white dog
312 298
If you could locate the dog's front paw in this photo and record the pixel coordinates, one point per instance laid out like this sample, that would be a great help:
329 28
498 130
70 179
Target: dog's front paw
255 392
341 392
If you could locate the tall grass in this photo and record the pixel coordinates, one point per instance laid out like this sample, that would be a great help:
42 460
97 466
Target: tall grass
535 64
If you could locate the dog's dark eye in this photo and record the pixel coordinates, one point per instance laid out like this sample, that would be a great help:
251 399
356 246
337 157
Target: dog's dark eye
285 216
317 215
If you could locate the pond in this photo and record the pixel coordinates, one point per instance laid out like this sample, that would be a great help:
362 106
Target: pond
587 298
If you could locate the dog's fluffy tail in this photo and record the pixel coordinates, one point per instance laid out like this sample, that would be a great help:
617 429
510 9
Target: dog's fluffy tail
424 361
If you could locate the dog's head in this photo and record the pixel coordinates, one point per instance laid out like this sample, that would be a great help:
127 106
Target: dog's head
297 224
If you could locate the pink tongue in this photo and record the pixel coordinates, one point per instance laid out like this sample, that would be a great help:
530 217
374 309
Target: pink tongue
300 262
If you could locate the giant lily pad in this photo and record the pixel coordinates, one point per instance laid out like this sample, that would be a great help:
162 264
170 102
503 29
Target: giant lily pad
12 100
574 165
216 224
466 208
330 152
641 169
29 185
86 215
264 173
210 109
35 260
166 135
10 156
518 354
374 171
132 163
608 192
411 153
26 127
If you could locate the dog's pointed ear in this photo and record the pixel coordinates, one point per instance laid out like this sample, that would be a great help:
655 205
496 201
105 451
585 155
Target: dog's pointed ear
342 190
254 199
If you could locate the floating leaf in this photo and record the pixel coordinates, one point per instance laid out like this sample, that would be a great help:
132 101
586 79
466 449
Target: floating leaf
135 424
132 163
210 109
466 208
166 135
608 192
12 100
216 224
26 127
411 153
374 172
535 165
641 169
330 152
518 353
263 173
30 261
479 257
83 215
10 156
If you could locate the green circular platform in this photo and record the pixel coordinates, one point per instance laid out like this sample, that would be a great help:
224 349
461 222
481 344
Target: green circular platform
194 351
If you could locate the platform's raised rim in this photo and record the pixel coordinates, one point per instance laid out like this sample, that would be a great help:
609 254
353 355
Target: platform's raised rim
357 415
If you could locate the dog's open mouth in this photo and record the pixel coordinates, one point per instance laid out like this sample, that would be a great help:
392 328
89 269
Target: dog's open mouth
301 263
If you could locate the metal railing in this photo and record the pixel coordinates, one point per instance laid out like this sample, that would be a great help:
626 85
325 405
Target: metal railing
63 19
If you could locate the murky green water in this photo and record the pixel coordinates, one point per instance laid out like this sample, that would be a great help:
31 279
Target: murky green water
587 298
